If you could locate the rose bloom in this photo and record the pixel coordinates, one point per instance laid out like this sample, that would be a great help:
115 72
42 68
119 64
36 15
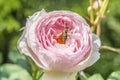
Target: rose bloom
60 42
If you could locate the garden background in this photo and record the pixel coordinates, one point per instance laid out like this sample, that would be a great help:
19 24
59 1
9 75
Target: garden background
13 15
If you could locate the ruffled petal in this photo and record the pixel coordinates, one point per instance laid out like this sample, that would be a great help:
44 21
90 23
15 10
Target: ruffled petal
22 46
23 43
94 56
96 42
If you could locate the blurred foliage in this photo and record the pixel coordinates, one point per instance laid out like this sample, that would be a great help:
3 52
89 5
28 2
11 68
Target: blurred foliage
110 35
13 14
114 76
96 76
13 72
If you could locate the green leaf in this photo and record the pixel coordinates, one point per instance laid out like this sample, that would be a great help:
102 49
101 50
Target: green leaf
14 55
96 77
83 76
1 57
13 72
114 76
10 24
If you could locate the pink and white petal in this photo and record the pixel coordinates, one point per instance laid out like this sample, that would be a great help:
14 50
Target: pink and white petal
22 46
22 41
36 16
93 57
88 62
96 42
58 75
24 49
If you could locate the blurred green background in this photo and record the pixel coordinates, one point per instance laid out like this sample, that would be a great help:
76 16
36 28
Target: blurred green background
13 15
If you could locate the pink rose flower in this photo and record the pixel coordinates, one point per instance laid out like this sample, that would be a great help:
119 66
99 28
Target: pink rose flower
60 42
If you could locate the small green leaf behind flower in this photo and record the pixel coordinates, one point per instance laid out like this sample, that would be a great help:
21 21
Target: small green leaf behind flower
95 77
114 76
13 72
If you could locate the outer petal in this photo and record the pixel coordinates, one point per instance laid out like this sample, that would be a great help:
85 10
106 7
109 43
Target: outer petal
23 44
94 56
58 76
96 42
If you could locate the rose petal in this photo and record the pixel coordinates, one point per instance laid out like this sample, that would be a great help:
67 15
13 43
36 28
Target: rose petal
94 56
58 76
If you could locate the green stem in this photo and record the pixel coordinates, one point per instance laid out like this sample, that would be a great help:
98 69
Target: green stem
110 48
83 74
98 30
35 69
31 63
91 12
76 77
35 74
102 11
40 75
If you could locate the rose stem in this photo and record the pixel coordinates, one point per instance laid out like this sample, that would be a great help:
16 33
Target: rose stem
110 48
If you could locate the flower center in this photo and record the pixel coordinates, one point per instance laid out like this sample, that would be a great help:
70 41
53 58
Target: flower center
63 37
